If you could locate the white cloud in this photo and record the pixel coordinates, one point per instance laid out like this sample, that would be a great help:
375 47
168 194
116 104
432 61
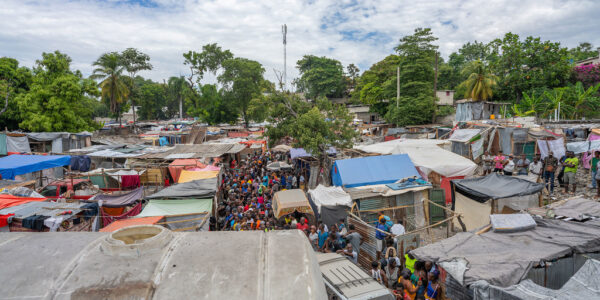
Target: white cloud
360 32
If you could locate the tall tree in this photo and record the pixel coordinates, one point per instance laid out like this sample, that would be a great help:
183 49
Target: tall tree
242 80
480 81
377 85
176 90
209 60
352 74
58 97
109 69
583 51
320 76
13 81
134 61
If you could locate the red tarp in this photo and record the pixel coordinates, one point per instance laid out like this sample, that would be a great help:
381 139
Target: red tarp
10 200
445 184
179 164
107 219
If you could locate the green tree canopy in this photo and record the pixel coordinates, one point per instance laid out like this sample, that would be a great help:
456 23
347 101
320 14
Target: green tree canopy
14 80
58 97
320 76
480 81
209 60
109 69
242 81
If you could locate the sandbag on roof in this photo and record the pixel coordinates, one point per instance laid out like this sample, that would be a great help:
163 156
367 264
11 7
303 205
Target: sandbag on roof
495 186
120 200
504 259
13 165
195 188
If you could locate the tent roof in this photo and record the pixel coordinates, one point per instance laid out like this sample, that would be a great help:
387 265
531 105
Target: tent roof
186 175
300 152
121 200
504 259
330 196
372 170
195 188
495 186
463 135
118 224
10 200
427 155
289 200
176 207
13 165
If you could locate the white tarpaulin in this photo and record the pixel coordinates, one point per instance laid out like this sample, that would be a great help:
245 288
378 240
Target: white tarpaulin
17 144
556 146
330 196
580 147
477 148
463 135
427 156
117 175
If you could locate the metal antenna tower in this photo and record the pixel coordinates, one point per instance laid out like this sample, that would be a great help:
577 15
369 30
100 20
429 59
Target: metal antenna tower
284 32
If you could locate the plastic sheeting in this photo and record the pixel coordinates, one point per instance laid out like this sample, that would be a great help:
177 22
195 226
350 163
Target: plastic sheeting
186 175
557 146
176 207
372 170
10 200
19 144
580 147
330 196
13 165
118 174
288 201
585 284
504 259
505 139
463 135
195 188
47 136
495 186
300 152
120 200
427 155
116 225
578 209
179 164
2 144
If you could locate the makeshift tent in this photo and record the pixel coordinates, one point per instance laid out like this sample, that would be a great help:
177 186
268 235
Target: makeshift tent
427 155
477 198
10 200
200 188
577 208
13 165
129 198
584 284
186 175
288 201
180 164
55 137
176 207
116 225
464 135
504 259
557 146
207 168
300 152
372 170
330 196
17 144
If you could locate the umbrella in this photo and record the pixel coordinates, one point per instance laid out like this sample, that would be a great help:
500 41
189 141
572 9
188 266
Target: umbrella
278 165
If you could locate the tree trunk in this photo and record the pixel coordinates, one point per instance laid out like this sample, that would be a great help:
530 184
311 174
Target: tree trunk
180 107
133 107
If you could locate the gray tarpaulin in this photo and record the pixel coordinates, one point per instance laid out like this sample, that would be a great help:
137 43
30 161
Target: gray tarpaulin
520 135
120 200
477 109
504 259
578 209
47 136
333 214
505 143
585 284
495 186
580 147
196 188
17 144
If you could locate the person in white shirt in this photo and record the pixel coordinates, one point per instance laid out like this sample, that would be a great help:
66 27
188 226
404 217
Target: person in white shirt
397 229
349 253
536 166
509 166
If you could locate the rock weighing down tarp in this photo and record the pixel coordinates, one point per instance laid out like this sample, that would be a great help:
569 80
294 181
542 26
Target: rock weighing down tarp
372 170
13 165
504 259
176 207
202 188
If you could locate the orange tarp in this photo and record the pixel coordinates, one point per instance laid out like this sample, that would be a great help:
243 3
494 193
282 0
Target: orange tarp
179 164
10 200
118 224
195 175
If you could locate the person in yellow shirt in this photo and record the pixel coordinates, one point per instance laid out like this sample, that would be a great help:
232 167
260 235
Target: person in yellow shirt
571 165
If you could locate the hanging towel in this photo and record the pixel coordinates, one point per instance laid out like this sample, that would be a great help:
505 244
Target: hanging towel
128 181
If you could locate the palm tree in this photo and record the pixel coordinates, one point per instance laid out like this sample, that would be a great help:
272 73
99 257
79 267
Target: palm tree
480 81
176 88
109 69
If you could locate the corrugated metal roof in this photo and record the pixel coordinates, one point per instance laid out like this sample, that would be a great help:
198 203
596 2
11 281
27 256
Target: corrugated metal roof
236 148
199 151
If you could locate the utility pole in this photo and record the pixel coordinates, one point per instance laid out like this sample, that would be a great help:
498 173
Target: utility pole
398 86
284 32
435 79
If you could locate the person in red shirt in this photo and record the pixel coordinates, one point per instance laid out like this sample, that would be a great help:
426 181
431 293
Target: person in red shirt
302 225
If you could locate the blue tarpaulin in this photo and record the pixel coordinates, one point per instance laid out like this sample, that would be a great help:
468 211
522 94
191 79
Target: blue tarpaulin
13 165
372 170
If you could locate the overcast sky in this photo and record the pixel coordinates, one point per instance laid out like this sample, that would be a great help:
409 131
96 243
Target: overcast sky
359 32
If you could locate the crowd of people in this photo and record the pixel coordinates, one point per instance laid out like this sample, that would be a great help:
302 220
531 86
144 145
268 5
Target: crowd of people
548 170
247 188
